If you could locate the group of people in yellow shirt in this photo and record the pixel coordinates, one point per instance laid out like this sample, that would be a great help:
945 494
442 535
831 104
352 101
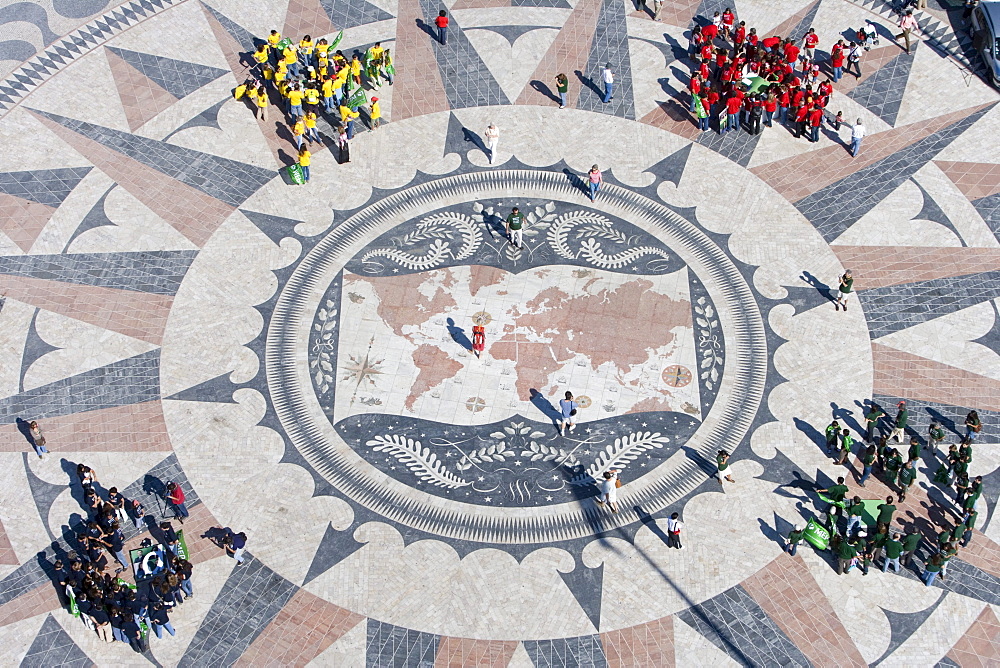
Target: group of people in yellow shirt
326 78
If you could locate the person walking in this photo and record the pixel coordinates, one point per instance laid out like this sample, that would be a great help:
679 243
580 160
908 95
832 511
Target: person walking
347 117
492 140
175 495
261 101
515 223
674 526
907 476
375 114
562 86
343 141
902 418
832 436
609 490
567 408
874 414
931 569
609 83
724 472
907 24
973 425
893 550
442 25
37 439
235 546
858 132
844 290
846 444
594 180
867 462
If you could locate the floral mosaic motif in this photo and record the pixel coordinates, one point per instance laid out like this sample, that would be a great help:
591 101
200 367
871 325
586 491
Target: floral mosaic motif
518 462
553 233
709 342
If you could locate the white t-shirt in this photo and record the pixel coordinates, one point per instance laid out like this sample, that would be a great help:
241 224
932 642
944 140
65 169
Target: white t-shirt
858 131
609 77
674 525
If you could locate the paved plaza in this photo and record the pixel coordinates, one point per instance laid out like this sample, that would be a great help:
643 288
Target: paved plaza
299 358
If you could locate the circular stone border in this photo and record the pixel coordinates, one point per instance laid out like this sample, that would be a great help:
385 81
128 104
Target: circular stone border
302 417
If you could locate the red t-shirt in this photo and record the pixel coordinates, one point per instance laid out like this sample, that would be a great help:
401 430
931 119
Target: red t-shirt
711 31
740 36
771 42
441 22
783 99
812 39
728 18
706 52
695 85
733 104
752 38
770 104
720 59
704 71
791 53
713 98
177 496
816 117
837 58
801 114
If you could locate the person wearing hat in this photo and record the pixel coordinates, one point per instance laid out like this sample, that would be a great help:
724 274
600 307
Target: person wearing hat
376 113
794 538
902 417
609 83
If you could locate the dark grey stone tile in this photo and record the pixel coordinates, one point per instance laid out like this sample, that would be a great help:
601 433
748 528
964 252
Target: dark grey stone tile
178 77
129 381
951 418
895 307
96 217
989 208
44 186
737 625
582 651
249 601
242 36
835 208
53 647
227 180
737 146
467 80
352 13
610 45
390 645
558 4
157 272
882 92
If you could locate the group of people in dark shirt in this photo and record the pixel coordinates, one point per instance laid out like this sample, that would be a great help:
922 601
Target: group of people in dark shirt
115 609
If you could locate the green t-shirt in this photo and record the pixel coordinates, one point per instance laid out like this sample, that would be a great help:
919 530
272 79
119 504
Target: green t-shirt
869 459
907 475
855 509
893 549
847 550
885 511
944 537
937 434
873 415
902 417
795 536
723 462
970 502
958 532
971 521
914 452
562 85
515 221
932 567
847 442
911 542
845 284
837 492
832 432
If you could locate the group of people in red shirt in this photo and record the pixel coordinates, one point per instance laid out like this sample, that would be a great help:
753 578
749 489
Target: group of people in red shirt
725 53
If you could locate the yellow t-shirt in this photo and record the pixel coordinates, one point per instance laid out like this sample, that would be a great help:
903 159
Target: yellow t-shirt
260 56
375 53
312 96
306 47
273 39
290 56
261 99
341 78
280 73
299 128
355 67
321 49
376 111
295 96
304 158
323 71
346 113
327 88
310 120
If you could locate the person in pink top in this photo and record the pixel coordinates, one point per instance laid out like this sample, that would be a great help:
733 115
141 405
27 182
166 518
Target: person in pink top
908 24
595 181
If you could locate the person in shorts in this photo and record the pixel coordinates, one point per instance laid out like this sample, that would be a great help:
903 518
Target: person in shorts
846 284
568 409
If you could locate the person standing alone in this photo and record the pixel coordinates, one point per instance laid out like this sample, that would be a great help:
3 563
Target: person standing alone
846 283
674 526
492 140
568 408
609 83
515 223
562 85
442 25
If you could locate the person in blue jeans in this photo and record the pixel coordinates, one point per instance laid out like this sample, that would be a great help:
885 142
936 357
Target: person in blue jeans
594 181
442 25
868 461
794 538
931 569
609 83
158 616
973 425
175 495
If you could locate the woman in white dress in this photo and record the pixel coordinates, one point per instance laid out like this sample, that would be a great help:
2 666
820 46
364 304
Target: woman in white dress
609 490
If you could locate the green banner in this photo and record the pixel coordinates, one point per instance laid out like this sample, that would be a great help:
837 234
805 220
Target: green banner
284 44
139 553
754 84
357 99
73 608
295 174
839 504
699 108
337 39
816 534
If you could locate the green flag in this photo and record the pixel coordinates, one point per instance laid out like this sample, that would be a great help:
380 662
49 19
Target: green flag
816 534
699 108
337 39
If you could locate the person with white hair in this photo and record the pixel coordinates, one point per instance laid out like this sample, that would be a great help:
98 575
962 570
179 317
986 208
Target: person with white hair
794 538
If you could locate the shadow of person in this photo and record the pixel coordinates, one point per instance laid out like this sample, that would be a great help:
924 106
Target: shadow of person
458 335
650 522
427 29
769 532
811 432
587 82
542 88
845 416
820 286
474 137
24 427
545 406
577 182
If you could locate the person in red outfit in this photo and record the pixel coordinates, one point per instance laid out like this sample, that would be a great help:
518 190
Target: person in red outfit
815 121
442 25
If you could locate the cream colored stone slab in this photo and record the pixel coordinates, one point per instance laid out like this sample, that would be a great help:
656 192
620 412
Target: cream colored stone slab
260 18
938 634
85 91
978 143
66 219
20 517
649 67
368 33
16 638
693 649
512 16
512 65
966 219
931 88
196 42
768 16
30 145
135 228
894 219
951 339
520 658
207 580
390 6
82 347
859 600
349 650
14 324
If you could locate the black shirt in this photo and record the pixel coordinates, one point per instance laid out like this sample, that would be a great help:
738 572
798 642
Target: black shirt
159 616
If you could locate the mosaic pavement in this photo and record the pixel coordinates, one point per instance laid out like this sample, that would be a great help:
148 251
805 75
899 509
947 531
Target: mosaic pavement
299 359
